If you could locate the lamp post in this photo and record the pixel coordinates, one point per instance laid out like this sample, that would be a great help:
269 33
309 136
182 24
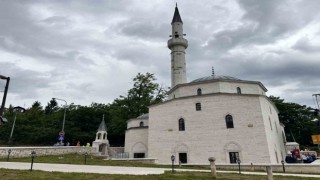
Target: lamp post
17 109
284 169
239 161
85 157
33 155
9 152
64 115
172 159
64 118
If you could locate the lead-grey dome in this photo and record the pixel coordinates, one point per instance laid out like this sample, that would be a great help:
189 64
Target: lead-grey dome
208 78
144 116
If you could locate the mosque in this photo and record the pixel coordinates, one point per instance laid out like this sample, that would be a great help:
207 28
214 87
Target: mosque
215 116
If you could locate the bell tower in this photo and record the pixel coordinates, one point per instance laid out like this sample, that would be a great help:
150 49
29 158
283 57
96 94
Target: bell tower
177 44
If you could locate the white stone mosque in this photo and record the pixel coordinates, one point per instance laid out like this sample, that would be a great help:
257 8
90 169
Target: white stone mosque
220 116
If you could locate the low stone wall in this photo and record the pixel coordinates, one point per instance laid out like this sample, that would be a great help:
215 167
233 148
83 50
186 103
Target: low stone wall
17 152
142 160
289 168
115 150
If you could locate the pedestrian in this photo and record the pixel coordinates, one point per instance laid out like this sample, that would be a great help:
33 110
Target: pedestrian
78 143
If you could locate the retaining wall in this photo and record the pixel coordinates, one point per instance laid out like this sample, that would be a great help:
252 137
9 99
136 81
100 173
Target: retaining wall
289 168
41 151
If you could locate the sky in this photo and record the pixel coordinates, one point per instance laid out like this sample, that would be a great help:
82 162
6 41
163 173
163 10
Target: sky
90 50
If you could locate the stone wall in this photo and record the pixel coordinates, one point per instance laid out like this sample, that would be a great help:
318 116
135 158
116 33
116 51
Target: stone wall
17 152
113 151
289 168
205 132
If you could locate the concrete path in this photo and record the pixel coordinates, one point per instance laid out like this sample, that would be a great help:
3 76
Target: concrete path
82 168
120 169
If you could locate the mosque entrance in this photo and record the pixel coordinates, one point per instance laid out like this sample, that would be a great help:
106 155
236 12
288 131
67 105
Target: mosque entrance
183 157
102 148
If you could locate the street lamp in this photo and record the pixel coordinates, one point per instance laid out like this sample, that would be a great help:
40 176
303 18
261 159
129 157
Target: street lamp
284 169
17 109
64 115
239 162
33 155
172 159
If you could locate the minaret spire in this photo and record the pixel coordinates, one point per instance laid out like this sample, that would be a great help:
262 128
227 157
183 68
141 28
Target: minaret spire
177 44
176 15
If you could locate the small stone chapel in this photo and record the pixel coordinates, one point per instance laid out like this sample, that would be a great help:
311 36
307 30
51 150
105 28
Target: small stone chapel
101 143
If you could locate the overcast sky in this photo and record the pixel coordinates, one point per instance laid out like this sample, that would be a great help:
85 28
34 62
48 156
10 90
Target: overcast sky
89 51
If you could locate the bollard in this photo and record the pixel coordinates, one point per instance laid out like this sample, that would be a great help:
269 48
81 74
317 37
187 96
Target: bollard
33 154
284 169
9 151
213 167
269 172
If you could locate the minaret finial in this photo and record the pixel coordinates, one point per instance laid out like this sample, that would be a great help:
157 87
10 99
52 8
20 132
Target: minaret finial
176 4
212 71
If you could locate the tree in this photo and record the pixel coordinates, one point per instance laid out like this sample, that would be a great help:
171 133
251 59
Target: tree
297 120
51 107
144 93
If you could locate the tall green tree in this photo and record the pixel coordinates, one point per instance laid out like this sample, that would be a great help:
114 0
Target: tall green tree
298 121
145 91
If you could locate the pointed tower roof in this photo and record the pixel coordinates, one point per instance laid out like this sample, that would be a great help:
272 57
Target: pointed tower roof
176 15
102 126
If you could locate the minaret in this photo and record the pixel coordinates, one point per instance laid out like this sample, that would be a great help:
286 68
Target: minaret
177 44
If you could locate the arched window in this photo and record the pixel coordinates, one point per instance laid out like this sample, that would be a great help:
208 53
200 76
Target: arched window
99 136
141 124
199 92
104 136
229 121
198 106
181 124
238 90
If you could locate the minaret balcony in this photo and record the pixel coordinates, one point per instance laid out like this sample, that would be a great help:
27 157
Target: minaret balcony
177 42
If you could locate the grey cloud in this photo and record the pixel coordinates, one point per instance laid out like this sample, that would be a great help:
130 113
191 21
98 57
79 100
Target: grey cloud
305 45
24 83
144 30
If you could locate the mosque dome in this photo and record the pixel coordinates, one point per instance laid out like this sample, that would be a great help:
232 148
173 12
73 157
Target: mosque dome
215 77
144 116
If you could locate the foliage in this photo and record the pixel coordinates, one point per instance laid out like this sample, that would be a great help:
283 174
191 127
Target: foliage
298 121
40 126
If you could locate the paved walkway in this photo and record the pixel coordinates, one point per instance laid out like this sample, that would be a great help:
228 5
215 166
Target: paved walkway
119 169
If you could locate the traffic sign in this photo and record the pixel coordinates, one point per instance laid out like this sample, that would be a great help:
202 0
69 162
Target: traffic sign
61 138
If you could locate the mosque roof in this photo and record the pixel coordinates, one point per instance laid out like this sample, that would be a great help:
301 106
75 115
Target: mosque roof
176 16
143 116
215 77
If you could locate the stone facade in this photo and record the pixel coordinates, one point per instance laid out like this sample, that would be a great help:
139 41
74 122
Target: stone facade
206 134
136 140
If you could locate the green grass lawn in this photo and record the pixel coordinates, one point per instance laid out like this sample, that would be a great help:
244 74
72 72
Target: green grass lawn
6 174
93 160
